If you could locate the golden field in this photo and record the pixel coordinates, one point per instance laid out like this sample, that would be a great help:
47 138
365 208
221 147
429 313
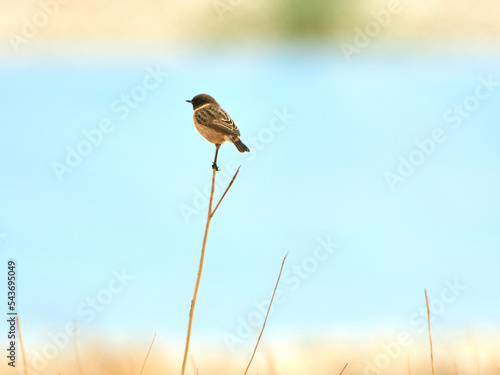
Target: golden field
388 355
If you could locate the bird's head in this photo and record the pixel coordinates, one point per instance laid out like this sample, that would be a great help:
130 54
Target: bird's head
201 99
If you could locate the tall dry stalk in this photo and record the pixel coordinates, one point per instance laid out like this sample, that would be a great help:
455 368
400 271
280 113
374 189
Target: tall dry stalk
75 348
202 258
430 335
267 314
341 372
147 355
22 346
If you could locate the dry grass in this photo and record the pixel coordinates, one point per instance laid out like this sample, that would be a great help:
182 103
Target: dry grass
289 357
21 343
430 332
267 314
326 354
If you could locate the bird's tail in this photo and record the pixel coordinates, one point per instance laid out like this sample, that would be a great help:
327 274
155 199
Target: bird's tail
241 146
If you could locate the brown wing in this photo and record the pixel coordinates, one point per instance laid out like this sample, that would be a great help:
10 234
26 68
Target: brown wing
216 118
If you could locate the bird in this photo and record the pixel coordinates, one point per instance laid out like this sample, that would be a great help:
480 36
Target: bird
215 124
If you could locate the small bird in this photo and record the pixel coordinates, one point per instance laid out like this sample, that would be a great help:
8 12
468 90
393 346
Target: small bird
215 124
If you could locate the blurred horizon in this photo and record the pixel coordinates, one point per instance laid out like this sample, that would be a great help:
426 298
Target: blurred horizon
34 26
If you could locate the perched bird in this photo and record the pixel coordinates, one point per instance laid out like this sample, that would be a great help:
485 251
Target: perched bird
215 124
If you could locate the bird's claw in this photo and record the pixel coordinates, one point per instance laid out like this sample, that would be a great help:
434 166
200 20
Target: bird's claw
214 166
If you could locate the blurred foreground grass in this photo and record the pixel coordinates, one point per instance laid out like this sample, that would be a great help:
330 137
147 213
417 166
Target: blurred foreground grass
383 355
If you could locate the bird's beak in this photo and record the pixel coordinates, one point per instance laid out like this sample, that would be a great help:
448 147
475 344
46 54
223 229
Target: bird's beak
189 101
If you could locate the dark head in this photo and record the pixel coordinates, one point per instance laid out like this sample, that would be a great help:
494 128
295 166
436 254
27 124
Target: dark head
201 99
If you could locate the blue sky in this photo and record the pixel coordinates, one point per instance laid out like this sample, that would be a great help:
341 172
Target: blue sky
324 133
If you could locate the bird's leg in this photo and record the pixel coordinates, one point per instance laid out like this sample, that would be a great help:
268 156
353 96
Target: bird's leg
214 165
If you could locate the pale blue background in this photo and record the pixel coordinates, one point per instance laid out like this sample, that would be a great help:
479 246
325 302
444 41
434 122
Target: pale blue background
323 175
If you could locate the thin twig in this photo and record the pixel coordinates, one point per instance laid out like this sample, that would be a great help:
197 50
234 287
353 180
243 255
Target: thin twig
193 363
22 346
75 347
198 278
147 355
200 268
268 355
495 363
267 314
430 336
344 368
223 195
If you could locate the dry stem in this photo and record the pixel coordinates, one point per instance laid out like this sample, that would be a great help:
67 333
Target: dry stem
430 336
267 314
75 347
202 258
147 355
22 346
341 372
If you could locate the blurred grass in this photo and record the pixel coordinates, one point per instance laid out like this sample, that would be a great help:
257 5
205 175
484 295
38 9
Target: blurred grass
296 18
318 356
